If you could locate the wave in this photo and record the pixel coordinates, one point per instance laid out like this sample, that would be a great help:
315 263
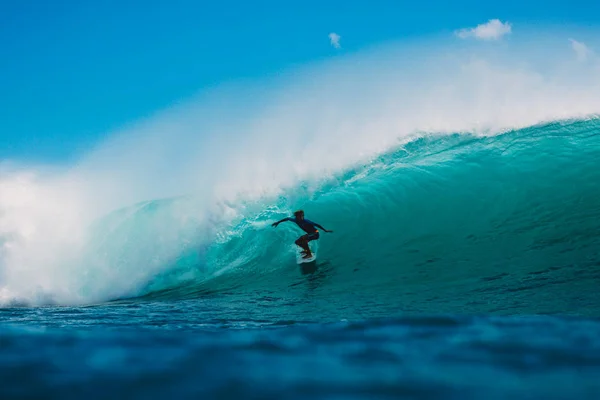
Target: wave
509 223
459 223
437 167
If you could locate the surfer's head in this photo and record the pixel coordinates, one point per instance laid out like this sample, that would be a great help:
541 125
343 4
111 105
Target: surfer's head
299 214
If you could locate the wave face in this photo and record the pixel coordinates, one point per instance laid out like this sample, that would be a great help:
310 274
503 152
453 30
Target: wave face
508 224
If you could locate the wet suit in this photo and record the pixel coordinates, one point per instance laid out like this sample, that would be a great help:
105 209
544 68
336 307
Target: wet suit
307 226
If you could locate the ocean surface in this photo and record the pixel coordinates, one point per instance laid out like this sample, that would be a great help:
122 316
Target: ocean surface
460 266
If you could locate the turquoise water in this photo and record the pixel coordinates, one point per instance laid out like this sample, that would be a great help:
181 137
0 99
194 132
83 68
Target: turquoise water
445 224
460 266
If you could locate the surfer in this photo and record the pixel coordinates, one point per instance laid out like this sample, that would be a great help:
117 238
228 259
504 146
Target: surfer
307 226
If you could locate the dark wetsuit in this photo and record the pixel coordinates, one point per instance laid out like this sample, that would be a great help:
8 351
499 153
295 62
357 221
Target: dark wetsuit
307 226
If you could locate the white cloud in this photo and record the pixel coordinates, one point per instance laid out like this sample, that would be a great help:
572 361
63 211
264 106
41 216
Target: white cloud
334 38
492 30
580 49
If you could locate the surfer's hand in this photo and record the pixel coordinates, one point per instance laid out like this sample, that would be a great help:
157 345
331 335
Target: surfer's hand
329 231
275 224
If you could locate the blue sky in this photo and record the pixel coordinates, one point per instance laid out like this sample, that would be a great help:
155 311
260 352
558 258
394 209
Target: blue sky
73 71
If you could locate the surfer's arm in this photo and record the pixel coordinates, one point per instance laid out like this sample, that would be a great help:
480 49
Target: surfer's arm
320 227
283 220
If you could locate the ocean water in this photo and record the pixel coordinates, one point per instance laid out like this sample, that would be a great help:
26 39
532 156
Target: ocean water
460 266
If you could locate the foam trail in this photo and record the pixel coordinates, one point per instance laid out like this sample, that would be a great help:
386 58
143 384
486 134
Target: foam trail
246 142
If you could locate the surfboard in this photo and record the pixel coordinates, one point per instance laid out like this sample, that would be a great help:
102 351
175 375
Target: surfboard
301 260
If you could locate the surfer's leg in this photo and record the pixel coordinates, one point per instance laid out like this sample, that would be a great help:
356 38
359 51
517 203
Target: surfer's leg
309 238
303 243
